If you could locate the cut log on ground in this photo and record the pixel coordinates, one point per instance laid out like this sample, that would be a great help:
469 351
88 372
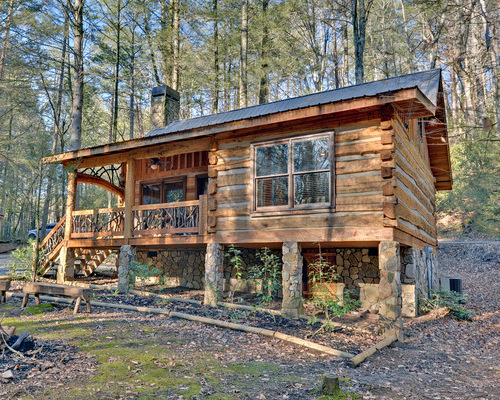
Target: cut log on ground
358 359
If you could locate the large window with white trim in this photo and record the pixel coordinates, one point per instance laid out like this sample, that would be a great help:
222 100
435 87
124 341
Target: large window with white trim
293 173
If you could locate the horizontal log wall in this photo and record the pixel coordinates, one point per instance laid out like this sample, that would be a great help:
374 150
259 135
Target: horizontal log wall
358 186
411 186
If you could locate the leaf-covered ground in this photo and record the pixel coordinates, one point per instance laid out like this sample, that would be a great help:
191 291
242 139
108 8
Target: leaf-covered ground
124 355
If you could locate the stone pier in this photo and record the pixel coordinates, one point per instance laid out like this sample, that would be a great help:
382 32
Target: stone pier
214 274
389 296
126 257
66 268
292 280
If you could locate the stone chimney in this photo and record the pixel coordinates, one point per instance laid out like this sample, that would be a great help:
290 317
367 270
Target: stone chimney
164 106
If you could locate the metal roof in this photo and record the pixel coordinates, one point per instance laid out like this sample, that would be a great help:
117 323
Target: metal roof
427 82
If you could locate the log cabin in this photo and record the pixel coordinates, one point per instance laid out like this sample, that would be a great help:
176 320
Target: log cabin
355 170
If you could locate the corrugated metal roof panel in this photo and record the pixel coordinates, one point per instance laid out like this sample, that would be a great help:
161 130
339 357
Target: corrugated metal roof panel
427 82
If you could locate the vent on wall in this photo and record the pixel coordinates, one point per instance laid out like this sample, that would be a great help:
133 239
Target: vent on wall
449 284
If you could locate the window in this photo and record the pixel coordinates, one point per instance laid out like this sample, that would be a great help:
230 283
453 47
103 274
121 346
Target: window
163 192
293 173
151 194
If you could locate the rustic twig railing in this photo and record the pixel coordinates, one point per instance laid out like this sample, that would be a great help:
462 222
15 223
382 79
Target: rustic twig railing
98 223
153 219
167 218
50 243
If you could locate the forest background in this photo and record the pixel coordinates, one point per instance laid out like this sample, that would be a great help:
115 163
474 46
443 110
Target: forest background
78 73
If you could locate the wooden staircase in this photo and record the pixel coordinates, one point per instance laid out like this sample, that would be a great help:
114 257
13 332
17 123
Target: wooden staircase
86 260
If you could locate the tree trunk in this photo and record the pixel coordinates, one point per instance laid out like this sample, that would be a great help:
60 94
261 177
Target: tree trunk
243 83
132 84
57 132
345 62
175 45
5 43
264 81
216 90
76 108
113 126
152 58
360 12
165 43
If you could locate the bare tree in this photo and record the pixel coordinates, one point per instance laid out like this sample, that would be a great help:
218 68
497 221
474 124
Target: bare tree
360 11
76 10
243 73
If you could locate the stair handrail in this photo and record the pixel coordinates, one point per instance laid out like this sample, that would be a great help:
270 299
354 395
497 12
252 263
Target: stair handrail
53 231
51 242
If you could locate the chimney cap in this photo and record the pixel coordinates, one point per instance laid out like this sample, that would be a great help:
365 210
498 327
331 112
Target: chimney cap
163 90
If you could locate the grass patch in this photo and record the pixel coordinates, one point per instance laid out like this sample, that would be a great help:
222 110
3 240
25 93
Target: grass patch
38 309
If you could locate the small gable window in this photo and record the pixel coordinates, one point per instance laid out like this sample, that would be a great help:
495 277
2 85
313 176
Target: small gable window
293 173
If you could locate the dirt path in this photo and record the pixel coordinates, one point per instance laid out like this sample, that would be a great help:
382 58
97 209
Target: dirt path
4 259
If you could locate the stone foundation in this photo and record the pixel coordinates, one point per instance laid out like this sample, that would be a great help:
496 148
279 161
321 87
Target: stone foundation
292 280
389 289
184 267
214 271
126 257
357 266
419 269
66 268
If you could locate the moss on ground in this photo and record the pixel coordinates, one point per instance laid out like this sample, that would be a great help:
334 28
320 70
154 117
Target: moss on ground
38 309
135 361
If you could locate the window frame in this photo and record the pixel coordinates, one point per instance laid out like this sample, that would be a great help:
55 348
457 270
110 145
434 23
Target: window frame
291 207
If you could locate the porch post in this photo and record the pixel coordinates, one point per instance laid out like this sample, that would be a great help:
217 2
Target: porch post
66 269
291 306
214 273
128 225
126 257
390 288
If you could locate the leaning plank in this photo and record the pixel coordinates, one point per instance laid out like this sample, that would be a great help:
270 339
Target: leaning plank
358 359
215 322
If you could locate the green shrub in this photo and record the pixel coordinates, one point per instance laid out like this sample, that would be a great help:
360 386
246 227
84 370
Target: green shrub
451 300
269 273
322 276
236 262
21 262
142 271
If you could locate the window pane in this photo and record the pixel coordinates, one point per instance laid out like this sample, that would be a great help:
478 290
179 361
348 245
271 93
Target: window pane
150 194
272 191
272 160
174 191
312 188
311 155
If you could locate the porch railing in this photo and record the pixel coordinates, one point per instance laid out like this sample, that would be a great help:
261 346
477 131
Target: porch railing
185 217
101 222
